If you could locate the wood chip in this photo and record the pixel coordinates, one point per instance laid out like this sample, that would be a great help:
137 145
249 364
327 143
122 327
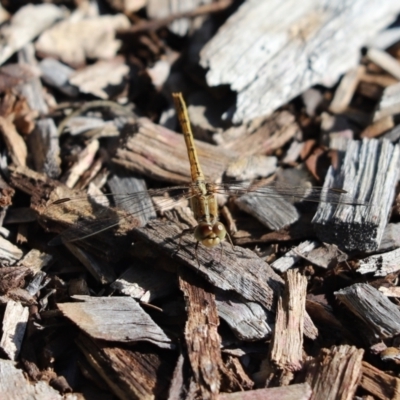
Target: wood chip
380 264
389 104
378 127
44 139
385 61
139 372
25 25
299 392
371 306
287 339
369 172
381 385
262 75
74 40
239 270
160 153
14 385
13 329
95 78
346 89
14 142
117 319
335 373
251 167
248 320
57 75
9 253
201 335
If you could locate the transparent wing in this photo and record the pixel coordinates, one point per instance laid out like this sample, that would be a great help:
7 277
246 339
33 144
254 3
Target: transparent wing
85 216
291 193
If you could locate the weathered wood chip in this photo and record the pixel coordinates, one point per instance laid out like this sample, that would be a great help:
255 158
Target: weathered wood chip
117 319
381 264
380 315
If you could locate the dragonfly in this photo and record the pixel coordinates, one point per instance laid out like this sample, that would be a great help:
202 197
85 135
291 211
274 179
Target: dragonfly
201 194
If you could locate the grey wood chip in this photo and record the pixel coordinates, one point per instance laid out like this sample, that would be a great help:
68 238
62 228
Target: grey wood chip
118 319
372 307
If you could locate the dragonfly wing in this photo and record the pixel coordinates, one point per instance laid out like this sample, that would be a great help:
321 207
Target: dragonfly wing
87 216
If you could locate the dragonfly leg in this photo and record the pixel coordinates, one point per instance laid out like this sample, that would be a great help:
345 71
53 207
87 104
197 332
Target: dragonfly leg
180 237
195 252
230 240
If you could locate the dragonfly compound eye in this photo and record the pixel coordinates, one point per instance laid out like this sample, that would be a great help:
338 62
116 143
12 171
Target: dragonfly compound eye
209 235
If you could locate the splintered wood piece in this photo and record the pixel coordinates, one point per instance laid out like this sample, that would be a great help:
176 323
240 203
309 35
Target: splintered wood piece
300 391
380 315
346 89
74 40
45 142
290 258
9 254
13 329
140 372
14 385
15 144
56 74
25 25
144 282
236 269
201 335
381 264
248 320
389 103
369 171
117 319
159 153
385 61
287 339
378 127
382 386
335 373
275 212
268 65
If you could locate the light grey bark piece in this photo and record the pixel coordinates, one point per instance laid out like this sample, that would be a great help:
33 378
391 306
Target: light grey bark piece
389 103
32 90
381 264
369 172
14 385
25 25
371 306
125 184
386 38
145 283
268 64
385 61
9 253
13 328
45 142
157 9
57 74
282 264
117 319
273 212
248 320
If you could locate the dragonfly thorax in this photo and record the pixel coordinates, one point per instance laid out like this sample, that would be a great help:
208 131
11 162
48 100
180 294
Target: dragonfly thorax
210 235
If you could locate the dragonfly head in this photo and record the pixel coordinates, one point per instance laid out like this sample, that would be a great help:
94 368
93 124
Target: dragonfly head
210 235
